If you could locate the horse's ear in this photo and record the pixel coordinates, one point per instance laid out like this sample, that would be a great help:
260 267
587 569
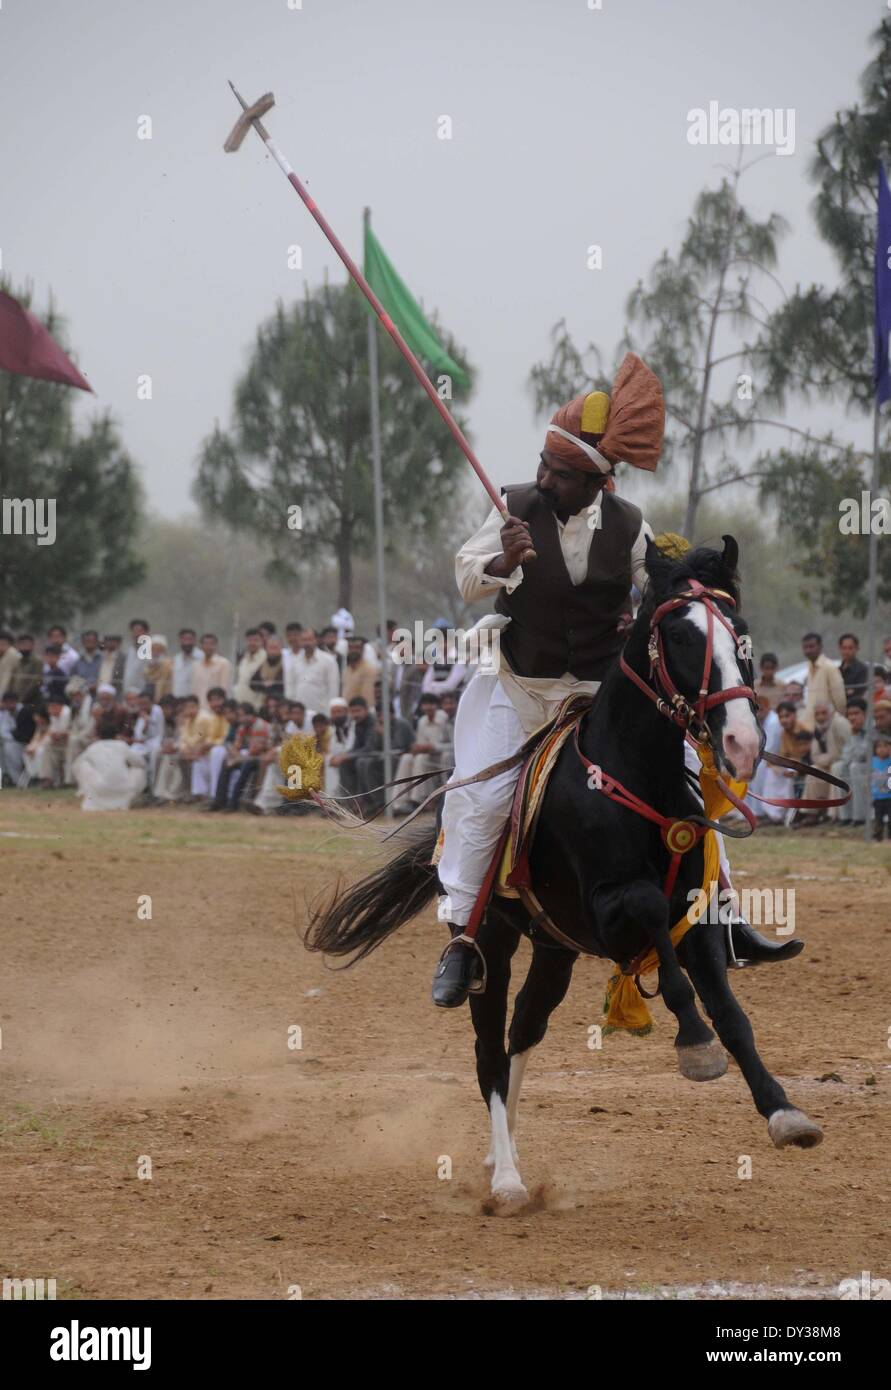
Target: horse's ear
659 566
730 560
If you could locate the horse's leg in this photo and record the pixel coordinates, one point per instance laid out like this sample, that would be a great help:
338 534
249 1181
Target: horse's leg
700 1056
498 943
703 952
545 988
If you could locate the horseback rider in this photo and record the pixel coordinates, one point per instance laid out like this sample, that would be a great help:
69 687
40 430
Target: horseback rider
560 621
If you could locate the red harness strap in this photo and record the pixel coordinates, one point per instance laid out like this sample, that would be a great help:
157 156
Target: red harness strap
678 835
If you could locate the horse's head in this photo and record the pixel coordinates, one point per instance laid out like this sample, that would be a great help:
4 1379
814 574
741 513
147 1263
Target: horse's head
702 642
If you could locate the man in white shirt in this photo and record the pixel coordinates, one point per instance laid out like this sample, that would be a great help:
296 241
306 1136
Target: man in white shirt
825 682
311 675
139 654
560 620
184 663
213 670
68 656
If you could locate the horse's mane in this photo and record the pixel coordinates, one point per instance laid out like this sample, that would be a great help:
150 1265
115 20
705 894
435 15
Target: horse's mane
668 574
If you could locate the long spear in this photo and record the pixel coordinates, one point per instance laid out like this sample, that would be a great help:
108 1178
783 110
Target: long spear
251 117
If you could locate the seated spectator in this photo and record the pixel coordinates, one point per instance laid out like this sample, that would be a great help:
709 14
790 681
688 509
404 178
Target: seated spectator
242 761
423 756
299 720
170 780
36 750
128 714
81 730
12 751
159 670
767 781
45 754
795 742
359 766
200 732
106 704
830 734
359 673
767 687
881 788
148 734
882 716
109 774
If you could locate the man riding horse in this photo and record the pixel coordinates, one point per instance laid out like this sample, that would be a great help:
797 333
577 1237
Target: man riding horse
560 621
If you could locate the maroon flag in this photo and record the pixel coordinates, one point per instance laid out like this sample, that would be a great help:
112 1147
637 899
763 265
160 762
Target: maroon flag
29 349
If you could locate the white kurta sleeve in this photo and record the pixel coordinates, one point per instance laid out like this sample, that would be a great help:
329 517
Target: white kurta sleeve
473 557
639 555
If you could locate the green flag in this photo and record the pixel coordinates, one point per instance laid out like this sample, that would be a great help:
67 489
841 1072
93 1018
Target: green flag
406 312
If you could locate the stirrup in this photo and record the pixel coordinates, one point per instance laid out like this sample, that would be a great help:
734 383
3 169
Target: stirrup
478 986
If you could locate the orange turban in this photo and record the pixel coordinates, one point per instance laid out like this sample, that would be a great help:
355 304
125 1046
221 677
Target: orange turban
625 427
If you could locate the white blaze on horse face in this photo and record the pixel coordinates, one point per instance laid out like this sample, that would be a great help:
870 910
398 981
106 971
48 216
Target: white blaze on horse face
741 737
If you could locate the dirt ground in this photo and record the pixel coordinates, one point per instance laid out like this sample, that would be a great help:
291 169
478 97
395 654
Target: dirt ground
280 1171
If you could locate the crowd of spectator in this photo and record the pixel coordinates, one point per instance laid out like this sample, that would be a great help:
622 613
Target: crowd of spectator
823 722
132 723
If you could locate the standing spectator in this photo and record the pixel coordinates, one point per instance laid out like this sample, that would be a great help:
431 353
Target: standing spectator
882 716
853 765
446 675
328 643
90 660
138 655
109 774
10 660
57 636
211 673
248 666
879 688
824 680
269 679
767 687
291 648
312 676
359 674
881 788
886 648
830 734
266 631
854 672
449 708
29 671
184 663
159 671
81 730
54 677
111 667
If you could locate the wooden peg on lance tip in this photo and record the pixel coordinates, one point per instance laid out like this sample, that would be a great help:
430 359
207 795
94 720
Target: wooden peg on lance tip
249 115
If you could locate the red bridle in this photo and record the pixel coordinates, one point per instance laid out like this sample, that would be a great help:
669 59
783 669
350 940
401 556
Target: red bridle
691 717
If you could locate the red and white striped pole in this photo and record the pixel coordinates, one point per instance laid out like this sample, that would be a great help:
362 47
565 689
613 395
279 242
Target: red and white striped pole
251 117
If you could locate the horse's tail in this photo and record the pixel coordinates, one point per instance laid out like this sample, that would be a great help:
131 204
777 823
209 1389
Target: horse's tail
359 919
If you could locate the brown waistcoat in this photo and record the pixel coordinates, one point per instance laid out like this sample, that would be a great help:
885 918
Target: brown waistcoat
557 626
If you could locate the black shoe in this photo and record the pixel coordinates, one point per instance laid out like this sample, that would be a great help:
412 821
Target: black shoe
459 971
751 948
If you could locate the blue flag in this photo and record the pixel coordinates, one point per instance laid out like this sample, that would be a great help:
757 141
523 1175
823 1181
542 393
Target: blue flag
882 371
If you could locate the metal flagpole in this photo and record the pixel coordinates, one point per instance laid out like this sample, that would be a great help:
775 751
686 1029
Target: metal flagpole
871 618
379 532
251 118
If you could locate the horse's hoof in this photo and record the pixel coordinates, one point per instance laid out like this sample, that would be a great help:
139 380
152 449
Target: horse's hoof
509 1195
794 1127
703 1061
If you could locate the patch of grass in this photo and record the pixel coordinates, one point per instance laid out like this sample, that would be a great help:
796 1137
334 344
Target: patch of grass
27 1122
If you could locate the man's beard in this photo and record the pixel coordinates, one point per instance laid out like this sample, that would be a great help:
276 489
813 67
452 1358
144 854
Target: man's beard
549 498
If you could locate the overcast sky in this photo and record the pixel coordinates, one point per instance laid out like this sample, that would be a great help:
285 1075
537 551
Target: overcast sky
569 129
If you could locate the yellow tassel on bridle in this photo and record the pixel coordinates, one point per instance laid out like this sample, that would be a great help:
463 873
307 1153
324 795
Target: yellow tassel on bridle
303 765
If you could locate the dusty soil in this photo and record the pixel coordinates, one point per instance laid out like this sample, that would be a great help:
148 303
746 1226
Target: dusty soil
127 1040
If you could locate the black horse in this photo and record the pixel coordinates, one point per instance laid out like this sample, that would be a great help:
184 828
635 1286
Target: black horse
598 867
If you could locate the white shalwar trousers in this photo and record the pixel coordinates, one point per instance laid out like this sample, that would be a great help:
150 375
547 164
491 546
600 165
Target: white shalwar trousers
487 729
